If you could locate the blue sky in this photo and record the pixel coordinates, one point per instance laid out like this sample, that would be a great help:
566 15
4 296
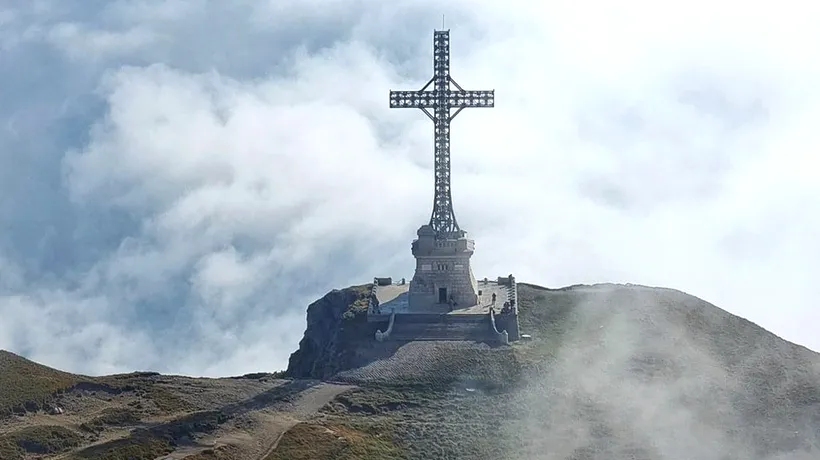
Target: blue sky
178 180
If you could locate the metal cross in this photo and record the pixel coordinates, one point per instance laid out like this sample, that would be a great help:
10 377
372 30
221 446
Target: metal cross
441 99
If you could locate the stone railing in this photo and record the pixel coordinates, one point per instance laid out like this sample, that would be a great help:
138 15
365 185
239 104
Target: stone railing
512 293
372 301
382 336
502 336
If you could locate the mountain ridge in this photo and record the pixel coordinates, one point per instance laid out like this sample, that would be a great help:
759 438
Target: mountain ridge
612 371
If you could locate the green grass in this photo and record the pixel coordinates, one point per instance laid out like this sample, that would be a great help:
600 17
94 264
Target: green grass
27 385
309 441
37 440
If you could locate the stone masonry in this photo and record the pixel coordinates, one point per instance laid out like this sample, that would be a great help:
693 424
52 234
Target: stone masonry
443 272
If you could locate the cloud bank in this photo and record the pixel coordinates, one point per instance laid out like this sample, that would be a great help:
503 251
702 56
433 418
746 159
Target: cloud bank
179 180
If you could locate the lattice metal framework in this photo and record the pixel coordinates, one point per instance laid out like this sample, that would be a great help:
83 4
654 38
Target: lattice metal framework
442 100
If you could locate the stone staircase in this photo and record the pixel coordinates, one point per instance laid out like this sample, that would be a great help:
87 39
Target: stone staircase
425 327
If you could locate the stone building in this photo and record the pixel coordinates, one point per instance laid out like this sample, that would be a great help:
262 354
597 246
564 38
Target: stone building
443 272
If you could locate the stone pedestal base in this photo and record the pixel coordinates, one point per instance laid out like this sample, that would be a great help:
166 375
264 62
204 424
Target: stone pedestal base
443 274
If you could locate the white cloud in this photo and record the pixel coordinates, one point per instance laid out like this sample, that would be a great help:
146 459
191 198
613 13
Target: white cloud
82 44
247 162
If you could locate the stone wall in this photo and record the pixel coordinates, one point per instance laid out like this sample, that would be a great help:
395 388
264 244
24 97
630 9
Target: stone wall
451 271
500 334
460 283
382 336
509 321
373 301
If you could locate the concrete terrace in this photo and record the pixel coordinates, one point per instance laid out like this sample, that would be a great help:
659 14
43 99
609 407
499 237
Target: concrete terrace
394 298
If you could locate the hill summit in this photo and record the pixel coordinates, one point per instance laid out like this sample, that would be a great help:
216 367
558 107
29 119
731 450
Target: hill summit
610 372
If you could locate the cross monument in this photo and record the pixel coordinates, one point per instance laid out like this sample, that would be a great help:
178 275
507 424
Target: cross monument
442 251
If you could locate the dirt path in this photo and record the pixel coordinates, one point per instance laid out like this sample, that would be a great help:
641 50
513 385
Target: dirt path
305 407
314 398
259 415
257 433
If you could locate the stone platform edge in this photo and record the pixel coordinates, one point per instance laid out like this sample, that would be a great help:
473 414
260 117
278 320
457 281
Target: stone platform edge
502 324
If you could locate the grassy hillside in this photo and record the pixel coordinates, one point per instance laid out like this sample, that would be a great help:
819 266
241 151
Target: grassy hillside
26 385
141 415
612 372
31 387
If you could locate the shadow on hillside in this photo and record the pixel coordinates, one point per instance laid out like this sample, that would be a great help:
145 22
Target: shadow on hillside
158 438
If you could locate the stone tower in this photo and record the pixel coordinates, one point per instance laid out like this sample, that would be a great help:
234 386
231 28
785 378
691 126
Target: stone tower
443 272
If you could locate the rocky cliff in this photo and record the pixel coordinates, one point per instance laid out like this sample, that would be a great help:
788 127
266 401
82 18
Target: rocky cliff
337 332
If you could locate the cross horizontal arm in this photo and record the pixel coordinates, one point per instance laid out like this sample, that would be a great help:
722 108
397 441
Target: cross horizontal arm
462 99
412 99
452 99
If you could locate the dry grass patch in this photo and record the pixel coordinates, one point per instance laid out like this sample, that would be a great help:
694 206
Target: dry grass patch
37 440
307 441
139 447
226 452
116 417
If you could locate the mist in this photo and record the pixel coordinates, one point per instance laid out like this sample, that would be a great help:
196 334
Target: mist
648 374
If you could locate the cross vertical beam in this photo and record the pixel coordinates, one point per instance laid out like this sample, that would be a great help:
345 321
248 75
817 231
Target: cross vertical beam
442 100
443 218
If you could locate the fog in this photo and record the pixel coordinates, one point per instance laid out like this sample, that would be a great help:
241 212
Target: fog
633 381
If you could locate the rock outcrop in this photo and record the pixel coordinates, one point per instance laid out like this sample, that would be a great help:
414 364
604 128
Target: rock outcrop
336 331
